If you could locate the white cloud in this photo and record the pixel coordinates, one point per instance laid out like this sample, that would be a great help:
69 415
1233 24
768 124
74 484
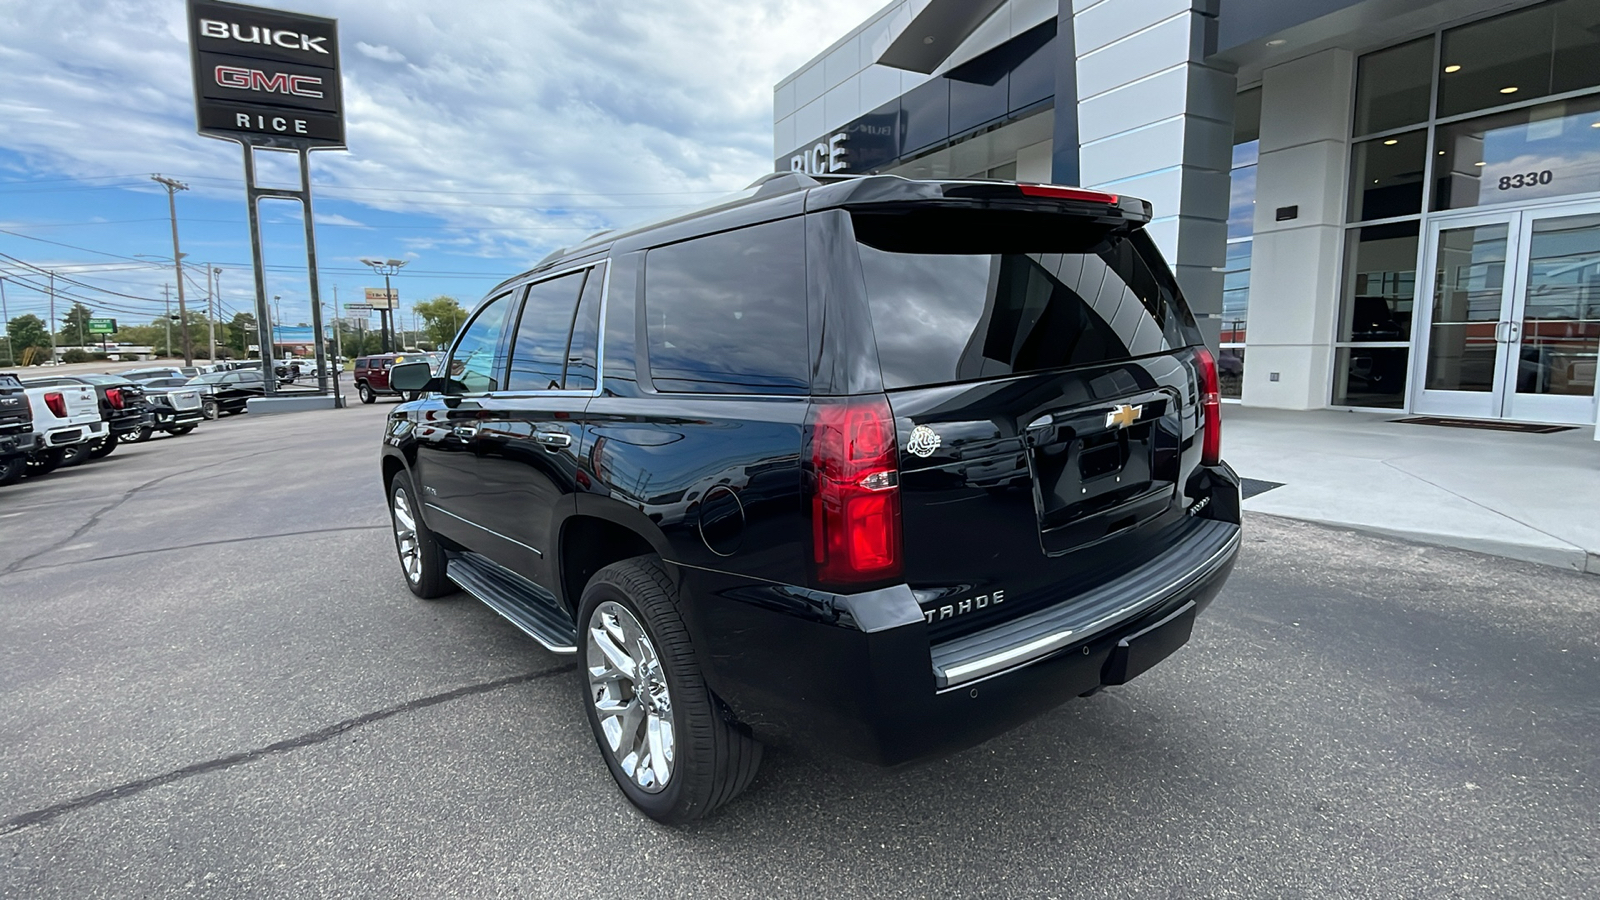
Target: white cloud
380 52
565 113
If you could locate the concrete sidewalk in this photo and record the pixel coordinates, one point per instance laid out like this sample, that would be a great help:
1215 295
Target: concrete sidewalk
1533 497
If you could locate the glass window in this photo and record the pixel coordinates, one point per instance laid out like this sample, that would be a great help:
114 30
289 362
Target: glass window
1392 87
585 334
1246 152
540 355
1560 328
1236 292
1386 176
727 313
1468 295
1498 61
477 362
1370 376
958 296
1550 150
1380 283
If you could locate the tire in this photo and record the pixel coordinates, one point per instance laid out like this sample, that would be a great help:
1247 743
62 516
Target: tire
209 410
365 391
181 430
422 559
100 449
43 462
12 468
75 454
137 436
408 396
710 758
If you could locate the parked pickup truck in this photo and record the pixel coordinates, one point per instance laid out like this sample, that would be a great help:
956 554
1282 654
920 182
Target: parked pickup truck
67 420
17 439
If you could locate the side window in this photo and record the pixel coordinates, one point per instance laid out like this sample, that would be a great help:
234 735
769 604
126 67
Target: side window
476 364
540 355
726 314
585 333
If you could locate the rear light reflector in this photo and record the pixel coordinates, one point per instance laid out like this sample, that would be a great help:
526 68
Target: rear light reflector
114 396
57 404
855 506
1067 193
1210 408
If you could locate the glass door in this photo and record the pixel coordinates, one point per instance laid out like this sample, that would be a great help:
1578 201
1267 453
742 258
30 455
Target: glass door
1553 334
1463 357
1512 326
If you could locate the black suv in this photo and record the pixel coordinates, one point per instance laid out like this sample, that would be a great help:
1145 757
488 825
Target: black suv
17 440
876 465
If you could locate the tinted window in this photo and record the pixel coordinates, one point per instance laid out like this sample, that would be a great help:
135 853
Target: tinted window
585 334
542 334
1030 293
727 313
477 363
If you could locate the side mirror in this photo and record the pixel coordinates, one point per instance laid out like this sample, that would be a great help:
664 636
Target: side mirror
412 376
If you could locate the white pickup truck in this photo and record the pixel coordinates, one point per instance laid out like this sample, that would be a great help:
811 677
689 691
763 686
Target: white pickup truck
66 418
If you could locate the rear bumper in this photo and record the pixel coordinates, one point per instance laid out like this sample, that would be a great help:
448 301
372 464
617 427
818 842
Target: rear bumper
856 674
12 444
75 434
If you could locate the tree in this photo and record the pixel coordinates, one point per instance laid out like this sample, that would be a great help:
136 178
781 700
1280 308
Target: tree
28 331
241 332
442 317
75 325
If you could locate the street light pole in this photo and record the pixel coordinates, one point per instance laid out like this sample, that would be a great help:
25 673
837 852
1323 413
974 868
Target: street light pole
5 324
173 187
386 267
211 309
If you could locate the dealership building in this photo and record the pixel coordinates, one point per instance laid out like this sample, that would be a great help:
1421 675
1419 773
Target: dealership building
1370 204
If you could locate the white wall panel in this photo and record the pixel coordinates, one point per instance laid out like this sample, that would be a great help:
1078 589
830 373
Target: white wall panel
843 62
842 104
1034 163
783 137
1161 96
1132 58
810 85
809 121
879 85
1096 27
783 101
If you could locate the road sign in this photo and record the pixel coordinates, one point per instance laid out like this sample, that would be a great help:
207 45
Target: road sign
358 307
102 326
266 77
378 298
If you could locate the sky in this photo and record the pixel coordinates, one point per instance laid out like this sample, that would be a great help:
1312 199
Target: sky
482 135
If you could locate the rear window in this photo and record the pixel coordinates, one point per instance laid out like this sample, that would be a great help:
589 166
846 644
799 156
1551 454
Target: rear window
10 382
961 296
726 314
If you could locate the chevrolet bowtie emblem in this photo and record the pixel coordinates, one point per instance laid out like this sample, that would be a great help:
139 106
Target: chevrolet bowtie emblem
1123 416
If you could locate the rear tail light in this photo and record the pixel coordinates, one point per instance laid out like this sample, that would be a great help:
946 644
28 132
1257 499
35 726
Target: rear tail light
114 396
57 404
1210 408
855 510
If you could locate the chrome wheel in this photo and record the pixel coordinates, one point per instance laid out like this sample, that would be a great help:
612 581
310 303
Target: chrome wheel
405 536
630 697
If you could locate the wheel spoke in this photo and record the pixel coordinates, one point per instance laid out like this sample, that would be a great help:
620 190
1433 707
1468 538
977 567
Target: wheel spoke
615 655
660 764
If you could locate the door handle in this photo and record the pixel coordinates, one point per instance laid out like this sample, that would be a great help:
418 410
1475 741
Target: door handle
1498 333
553 438
465 431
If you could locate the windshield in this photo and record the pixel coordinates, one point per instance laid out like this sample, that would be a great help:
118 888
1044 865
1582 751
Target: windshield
212 378
960 296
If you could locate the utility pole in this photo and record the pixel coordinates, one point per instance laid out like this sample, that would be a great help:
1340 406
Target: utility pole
211 309
5 322
173 186
52 328
166 291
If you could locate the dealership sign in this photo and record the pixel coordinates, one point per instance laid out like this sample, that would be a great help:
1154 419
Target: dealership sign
379 298
102 326
266 77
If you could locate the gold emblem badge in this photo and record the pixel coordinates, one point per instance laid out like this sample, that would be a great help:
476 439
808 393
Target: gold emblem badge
1123 416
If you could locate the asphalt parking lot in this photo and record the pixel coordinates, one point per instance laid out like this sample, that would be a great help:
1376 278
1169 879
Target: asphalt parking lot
213 682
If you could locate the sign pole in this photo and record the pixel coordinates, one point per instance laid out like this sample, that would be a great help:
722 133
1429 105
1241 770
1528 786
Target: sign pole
316 296
264 321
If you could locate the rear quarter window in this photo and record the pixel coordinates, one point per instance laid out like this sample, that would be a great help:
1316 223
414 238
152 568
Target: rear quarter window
727 313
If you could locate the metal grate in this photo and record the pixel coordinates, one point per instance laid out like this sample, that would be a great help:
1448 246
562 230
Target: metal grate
1484 424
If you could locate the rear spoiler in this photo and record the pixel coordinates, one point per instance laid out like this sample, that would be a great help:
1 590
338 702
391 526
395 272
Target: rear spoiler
892 190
